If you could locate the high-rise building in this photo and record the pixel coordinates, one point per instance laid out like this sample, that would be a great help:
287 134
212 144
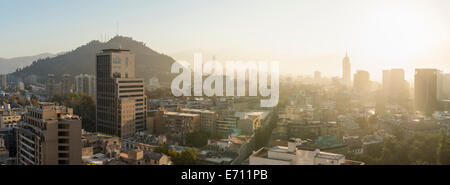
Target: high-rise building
346 71
66 84
121 103
361 82
3 81
425 90
52 88
49 135
443 86
85 83
317 76
395 86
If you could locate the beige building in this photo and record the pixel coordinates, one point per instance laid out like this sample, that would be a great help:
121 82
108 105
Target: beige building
291 155
176 125
52 87
66 84
9 119
121 103
207 119
49 135
85 83
226 126
3 81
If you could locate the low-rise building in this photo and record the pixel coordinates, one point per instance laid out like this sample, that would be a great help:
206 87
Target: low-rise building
291 155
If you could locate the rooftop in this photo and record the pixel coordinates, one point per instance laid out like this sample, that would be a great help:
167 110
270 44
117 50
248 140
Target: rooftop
114 50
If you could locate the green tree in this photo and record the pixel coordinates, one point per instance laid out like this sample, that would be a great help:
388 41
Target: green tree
189 156
443 151
197 139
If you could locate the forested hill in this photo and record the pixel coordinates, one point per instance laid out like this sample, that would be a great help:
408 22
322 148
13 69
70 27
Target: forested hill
149 63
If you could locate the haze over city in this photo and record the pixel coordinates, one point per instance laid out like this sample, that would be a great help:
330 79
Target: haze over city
303 35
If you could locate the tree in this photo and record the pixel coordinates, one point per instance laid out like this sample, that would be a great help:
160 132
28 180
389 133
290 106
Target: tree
443 151
189 156
162 149
197 139
83 105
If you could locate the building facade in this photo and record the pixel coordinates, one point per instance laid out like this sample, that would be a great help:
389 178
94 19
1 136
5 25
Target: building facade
85 83
346 71
49 135
3 81
66 84
425 90
121 102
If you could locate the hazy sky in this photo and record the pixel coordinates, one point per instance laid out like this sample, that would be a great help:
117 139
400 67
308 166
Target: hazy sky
304 35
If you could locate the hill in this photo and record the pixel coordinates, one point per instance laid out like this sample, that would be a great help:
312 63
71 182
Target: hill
9 65
149 63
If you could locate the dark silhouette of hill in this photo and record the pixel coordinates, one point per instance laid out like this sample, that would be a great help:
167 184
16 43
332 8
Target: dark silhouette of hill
149 63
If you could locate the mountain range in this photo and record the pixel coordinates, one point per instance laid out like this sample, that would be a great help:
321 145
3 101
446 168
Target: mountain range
149 63
9 65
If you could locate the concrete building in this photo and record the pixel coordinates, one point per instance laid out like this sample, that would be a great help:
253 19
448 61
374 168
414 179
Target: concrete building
85 83
3 81
49 135
361 82
4 153
226 126
443 86
249 121
66 84
346 71
207 119
395 86
52 88
9 119
425 90
291 155
178 125
121 103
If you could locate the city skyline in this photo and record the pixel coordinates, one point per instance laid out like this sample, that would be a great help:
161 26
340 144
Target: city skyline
378 35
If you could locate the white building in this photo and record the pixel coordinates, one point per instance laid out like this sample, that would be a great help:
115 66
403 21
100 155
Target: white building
85 83
291 155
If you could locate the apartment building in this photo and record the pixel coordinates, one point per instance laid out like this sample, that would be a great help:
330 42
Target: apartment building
49 135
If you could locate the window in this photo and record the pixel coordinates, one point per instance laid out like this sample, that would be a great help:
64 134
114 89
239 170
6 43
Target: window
63 141
64 155
116 75
116 60
63 126
60 133
63 148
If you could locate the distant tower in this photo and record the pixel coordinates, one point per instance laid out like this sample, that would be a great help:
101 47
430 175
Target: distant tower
346 71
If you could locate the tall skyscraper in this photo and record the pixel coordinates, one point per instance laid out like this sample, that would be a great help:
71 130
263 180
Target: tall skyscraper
346 71
121 102
425 90
49 135
443 86
3 81
395 86
361 82
85 83
66 84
